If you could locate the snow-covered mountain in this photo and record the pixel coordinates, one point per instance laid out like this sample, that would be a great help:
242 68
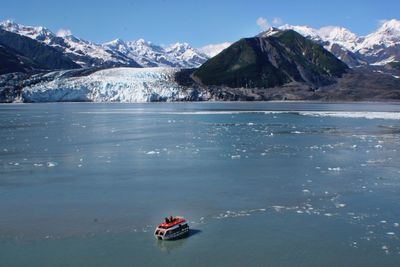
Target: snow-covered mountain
117 53
377 48
183 53
383 45
82 52
151 55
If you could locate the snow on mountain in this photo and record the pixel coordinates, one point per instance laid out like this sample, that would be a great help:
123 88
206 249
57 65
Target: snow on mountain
82 52
111 85
151 55
212 50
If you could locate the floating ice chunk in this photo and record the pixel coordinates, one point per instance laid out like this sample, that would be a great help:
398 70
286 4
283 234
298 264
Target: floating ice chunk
378 146
306 191
383 221
38 164
328 214
278 208
340 205
250 123
386 249
235 157
336 169
396 224
299 211
390 233
51 164
152 152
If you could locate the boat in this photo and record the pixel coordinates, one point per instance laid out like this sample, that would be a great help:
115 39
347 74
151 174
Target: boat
172 228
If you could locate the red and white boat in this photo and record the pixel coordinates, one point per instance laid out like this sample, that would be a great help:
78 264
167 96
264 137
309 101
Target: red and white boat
172 228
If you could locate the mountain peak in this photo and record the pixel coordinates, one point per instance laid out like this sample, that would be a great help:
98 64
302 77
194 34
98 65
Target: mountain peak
115 42
335 33
142 41
390 25
9 25
179 47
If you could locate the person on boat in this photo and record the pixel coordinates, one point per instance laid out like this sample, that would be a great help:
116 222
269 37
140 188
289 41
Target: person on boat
171 219
167 220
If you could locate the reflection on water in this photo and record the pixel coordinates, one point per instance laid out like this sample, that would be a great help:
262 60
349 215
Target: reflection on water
169 245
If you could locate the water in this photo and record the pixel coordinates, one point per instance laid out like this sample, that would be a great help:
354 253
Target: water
261 184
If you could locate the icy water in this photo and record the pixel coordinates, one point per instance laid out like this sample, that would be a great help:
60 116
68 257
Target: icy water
262 184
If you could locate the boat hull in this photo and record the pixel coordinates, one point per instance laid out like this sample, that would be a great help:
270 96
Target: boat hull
174 236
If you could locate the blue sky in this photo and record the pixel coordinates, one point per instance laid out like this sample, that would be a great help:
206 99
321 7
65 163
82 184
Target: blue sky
197 22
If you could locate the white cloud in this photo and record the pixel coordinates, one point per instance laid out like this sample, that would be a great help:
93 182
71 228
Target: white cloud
263 23
63 32
213 49
277 21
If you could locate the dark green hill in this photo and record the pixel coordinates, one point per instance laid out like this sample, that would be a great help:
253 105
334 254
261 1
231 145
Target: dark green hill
263 62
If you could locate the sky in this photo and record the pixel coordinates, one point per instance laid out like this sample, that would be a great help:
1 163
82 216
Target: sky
199 22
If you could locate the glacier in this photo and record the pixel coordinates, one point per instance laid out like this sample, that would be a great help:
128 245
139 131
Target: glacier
112 85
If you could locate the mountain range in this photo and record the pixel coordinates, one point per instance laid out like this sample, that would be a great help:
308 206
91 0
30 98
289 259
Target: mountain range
116 53
289 62
375 49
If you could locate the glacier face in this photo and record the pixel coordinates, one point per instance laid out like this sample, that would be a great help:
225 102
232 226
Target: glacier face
112 85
